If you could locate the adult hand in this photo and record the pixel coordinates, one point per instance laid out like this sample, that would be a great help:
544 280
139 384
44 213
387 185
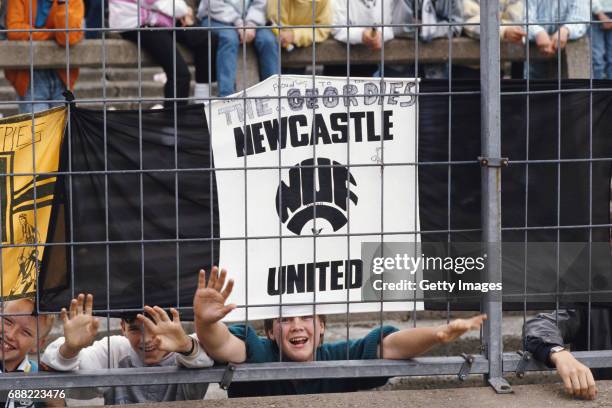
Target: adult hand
246 34
168 335
559 39
80 327
544 44
458 327
577 378
209 301
372 39
514 34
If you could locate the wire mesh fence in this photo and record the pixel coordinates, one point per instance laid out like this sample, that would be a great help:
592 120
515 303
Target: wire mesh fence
326 61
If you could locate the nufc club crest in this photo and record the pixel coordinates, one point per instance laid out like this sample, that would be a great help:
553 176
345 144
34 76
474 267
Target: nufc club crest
320 191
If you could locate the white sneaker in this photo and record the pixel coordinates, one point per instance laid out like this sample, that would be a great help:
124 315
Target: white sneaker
161 78
157 106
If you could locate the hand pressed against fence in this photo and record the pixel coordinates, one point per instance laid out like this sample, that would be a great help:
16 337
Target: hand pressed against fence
149 338
209 300
166 335
298 337
80 327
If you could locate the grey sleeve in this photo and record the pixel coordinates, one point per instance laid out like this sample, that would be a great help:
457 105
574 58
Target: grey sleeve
456 16
544 326
546 330
256 14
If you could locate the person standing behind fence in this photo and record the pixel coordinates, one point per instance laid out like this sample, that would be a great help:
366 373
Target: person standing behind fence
300 339
150 339
130 15
438 19
510 12
287 13
365 18
45 89
602 39
568 19
2 18
238 27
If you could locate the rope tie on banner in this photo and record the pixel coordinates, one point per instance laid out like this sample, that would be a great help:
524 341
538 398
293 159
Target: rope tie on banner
228 375
466 367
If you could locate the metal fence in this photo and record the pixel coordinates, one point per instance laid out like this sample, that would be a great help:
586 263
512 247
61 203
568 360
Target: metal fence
493 362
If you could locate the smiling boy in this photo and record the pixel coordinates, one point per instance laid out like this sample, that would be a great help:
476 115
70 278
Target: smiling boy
300 339
22 333
154 340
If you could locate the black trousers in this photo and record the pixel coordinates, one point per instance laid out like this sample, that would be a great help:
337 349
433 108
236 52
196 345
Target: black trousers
158 44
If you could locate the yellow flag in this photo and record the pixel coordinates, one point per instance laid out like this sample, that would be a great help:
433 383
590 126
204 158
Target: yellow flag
29 151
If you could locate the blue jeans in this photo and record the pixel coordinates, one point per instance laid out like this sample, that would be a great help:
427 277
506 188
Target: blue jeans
94 18
227 54
602 52
48 87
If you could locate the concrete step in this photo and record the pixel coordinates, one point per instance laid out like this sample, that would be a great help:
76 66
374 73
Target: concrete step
93 90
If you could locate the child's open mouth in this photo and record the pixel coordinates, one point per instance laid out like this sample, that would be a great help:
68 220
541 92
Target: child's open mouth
298 341
7 347
148 349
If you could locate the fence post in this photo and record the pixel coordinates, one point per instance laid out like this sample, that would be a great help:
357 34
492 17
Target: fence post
490 102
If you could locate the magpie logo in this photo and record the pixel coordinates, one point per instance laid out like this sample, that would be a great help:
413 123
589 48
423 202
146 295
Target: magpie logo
320 191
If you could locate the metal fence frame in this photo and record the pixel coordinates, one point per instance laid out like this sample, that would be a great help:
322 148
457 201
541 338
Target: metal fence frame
493 363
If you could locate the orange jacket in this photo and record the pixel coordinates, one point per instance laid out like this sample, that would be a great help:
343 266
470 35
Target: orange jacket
20 17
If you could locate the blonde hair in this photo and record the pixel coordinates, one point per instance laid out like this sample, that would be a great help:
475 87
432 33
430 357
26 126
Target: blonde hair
45 322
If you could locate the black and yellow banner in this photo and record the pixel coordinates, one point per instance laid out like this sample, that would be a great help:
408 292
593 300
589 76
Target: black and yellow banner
29 152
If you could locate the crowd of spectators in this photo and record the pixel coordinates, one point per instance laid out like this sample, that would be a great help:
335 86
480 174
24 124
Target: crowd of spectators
272 25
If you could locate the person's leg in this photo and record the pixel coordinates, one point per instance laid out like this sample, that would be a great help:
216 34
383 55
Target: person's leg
436 71
598 47
57 89
227 55
197 43
396 70
539 70
94 18
38 93
158 45
267 53
607 37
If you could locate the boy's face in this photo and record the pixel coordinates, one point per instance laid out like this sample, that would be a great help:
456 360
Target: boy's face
141 340
298 337
19 333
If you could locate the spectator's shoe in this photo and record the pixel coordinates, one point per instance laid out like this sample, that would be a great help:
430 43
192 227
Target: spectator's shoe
157 106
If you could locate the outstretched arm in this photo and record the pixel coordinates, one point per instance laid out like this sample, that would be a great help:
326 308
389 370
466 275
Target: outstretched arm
410 343
209 308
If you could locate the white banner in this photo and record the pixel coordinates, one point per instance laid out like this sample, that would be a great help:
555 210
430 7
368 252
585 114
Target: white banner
295 208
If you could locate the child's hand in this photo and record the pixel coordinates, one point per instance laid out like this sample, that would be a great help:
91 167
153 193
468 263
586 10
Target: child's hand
514 34
187 20
80 327
458 327
545 44
286 38
209 300
168 335
372 39
559 39
246 34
